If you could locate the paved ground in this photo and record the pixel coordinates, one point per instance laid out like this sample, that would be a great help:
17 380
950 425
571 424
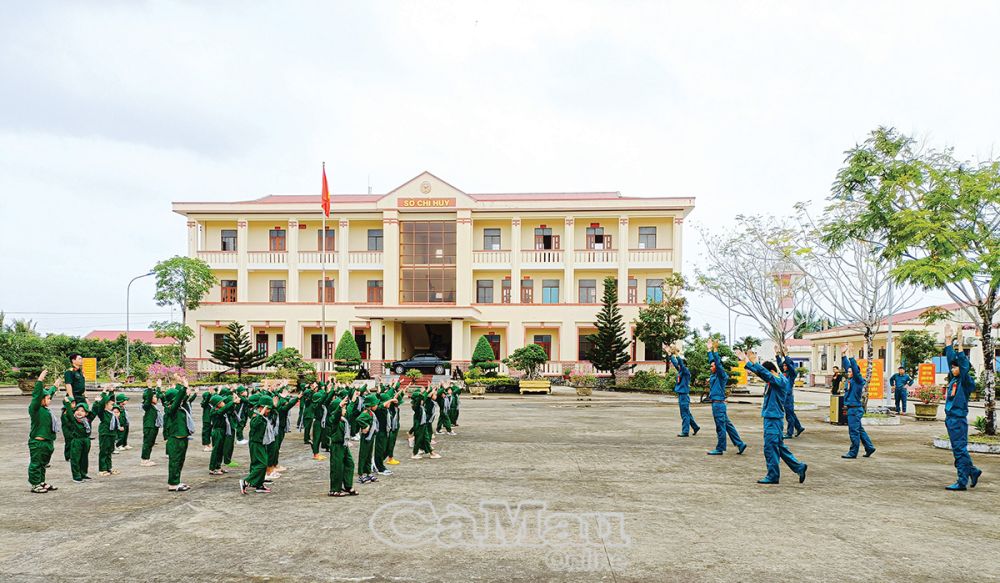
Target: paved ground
653 508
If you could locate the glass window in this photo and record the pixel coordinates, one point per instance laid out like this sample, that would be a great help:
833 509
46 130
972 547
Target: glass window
550 291
940 364
330 291
545 341
325 243
217 340
596 238
374 291
427 261
276 239
279 341
316 347
277 288
505 291
484 291
262 342
229 239
494 340
588 291
647 237
633 291
491 239
374 239
228 290
585 346
544 238
654 290
527 291
652 352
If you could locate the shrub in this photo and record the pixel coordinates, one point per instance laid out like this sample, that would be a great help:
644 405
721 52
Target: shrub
527 359
414 374
346 377
496 381
474 372
646 379
158 371
980 424
583 380
928 394
482 355
347 355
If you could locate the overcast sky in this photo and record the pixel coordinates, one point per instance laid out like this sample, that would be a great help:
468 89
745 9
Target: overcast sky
111 110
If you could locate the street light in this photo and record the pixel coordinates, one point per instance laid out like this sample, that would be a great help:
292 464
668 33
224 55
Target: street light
128 341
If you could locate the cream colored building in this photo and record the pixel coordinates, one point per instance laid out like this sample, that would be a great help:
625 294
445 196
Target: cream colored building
428 267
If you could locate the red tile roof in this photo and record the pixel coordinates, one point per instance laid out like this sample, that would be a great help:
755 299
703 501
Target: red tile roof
147 336
897 318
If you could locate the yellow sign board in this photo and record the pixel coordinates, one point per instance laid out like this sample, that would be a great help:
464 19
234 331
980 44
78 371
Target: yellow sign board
740 371
925 374
90 369
426 203
877 384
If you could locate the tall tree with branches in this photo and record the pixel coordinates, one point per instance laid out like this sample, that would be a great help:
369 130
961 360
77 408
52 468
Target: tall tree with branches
938 221
748 270
184 282
236 352
610 352
662 323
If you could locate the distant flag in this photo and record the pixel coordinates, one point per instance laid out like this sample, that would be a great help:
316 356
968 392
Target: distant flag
326 193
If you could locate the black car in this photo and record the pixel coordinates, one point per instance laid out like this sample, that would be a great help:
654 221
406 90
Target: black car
423 362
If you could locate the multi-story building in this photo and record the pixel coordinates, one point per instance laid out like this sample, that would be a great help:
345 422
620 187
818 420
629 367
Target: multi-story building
427 267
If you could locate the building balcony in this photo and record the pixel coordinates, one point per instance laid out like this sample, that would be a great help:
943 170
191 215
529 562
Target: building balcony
604 258
484 259
541 258
364 259
267 259
655 258
317 259
219 259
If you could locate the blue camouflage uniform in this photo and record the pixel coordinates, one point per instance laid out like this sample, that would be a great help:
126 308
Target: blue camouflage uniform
772 411
899 382
794 428
956 418
683 390
717 394
855 410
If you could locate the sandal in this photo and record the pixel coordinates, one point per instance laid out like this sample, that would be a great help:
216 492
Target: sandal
39 489
351 492
337 494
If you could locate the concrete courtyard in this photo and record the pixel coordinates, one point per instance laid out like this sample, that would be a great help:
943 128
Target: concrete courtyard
622 498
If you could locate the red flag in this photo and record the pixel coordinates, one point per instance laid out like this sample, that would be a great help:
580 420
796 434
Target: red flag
326 193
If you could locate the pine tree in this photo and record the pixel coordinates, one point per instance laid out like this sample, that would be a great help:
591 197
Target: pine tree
236 352
347 355
483 357
610 352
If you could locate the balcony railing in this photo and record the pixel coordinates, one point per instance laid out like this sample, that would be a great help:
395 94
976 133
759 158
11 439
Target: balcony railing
592 256
267 257
365 259
311 258
491 257
542 256
218 258
650 256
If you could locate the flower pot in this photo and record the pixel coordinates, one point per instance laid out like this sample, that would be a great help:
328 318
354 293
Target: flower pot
477 389
584 391
925 411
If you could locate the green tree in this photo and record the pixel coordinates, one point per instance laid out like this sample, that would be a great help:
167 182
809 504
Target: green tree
934 218
662 323
236 352
747 343
610 352
482 356
696 357
527 359
183 282
347 355
915 347
288 363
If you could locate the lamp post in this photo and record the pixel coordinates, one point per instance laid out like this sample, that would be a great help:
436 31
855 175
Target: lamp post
128 341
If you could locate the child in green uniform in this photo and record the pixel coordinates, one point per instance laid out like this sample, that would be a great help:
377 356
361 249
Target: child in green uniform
121 444
233 416
41 435
394 393
306 414
261 435
152 421
206 418
455 391
221 428
320 399
77 420
425 405
286 401
243 414
178 425
368 427
341 461
444 410
107 432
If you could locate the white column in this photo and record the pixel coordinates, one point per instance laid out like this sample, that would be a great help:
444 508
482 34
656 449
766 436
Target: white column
342 244
458 339
390 257
676 252
377 331
569 294
515 260
463 258
293 335
623 245
192 238
242 260
293 261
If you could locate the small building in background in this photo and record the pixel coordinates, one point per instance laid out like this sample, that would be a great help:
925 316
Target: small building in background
146 336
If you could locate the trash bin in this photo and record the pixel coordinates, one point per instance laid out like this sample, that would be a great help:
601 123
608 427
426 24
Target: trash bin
838 414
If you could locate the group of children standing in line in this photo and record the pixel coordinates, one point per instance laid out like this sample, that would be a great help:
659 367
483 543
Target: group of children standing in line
778 409
331 417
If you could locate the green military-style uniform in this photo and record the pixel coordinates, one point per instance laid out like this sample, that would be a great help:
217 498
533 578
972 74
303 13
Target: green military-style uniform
444 409
455 391
318 403
41 435
152 420
78 384
123 419
392 421
107 431
178 426
243 412
423 406
79 432
366 449
341 461
283 407
220 428
305 413
206 418
233 416
259 434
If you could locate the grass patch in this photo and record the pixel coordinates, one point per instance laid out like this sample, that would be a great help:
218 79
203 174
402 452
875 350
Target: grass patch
877 415
979 438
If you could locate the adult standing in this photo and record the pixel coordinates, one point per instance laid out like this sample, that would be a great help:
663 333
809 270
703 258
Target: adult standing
855 407
956 411
899 382
717 394
787 366
75 383
683 389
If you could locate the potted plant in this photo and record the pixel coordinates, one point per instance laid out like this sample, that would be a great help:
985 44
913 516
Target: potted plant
584 384
929 397
528 359
473 381
567 373
413 375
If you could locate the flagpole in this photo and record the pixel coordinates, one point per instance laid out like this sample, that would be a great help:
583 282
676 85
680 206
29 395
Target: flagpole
322 259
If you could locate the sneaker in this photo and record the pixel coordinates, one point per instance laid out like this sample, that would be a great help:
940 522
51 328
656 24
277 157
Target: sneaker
49 487
116 451
87 478
233 464
372 478
956 487
103 473
392 461
39 489
243 486
206 448
742 449
802 474
716 452
319 457
386 472
696 430
682 435
114 472
799 432
243 441
263 490
870 452
363 480
439 431
435 455
77 481
847 456
452 433
974 478
416 456
766 481
126 447
147 463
